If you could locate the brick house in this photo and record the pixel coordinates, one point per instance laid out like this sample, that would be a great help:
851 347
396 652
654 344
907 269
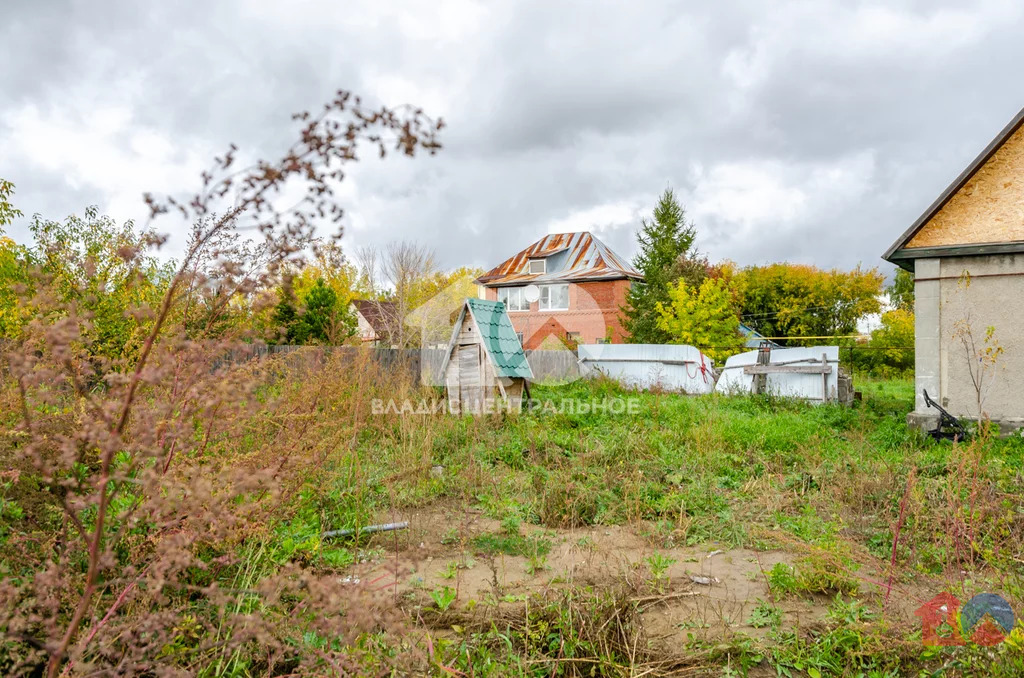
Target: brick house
564 288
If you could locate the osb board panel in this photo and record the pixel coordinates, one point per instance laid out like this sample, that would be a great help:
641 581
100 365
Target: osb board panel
989 208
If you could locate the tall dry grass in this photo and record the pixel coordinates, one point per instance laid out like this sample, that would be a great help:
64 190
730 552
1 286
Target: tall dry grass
148 482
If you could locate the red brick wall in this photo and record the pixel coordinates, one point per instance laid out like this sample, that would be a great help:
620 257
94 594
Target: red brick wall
594 308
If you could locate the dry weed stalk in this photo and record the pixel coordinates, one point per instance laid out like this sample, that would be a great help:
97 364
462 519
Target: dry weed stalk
600 633
122 448
981 354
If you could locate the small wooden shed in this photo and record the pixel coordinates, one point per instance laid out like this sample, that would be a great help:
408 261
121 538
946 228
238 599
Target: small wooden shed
485 366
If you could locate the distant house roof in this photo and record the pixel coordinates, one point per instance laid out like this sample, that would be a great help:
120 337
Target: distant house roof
498 337
569 257
382 316
899 254
753 338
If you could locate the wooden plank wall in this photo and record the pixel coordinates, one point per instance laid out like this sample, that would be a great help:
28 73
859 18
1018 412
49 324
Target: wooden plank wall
470 383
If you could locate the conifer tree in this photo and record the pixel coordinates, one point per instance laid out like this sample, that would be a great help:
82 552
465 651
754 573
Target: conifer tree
663 241
321 312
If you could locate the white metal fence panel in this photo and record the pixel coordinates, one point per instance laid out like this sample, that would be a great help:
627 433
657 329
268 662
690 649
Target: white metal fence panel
809 386
674 367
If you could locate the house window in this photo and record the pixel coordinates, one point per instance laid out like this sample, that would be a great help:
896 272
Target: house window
538 266
554 298
520 335
600 340
513 298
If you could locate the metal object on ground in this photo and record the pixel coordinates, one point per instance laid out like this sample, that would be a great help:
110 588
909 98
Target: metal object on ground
369 529
946 420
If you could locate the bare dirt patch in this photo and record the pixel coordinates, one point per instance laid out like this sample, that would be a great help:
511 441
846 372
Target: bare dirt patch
703 594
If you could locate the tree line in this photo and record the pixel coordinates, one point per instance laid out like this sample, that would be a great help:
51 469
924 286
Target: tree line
685 298
89 266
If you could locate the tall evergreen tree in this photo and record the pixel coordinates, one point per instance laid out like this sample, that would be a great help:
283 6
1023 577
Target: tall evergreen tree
286 319
663 241
318 316
321 312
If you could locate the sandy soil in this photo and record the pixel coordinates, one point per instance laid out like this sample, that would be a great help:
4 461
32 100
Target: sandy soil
707 592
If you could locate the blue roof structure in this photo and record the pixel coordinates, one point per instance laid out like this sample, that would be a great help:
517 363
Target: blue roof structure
753 338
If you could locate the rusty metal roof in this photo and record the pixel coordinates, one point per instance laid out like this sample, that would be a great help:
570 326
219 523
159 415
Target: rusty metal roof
570 257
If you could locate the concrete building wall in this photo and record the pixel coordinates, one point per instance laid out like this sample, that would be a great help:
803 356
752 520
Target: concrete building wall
951 311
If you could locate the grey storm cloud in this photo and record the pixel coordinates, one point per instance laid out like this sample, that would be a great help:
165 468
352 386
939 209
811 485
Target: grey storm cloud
804 131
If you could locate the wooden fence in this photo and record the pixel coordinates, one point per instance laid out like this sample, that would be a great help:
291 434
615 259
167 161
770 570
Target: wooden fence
553 366
547 366
312 357
424 365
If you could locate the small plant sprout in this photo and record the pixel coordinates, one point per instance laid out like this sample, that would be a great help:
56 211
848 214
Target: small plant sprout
535 563
849 612
782 579
510 525
443 597
764 614
587 542
659 564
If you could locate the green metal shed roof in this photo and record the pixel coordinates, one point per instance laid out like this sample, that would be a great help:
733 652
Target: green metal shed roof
500 338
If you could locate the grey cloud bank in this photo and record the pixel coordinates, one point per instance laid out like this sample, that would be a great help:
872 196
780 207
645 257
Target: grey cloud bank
809 131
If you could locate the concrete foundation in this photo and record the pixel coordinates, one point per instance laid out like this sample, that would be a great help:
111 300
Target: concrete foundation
925 422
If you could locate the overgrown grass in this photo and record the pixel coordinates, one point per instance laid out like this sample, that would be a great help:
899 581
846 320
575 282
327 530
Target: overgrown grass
833 485
758 472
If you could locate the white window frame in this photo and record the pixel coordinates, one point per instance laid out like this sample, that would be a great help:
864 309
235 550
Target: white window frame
514 299
544 303
543 266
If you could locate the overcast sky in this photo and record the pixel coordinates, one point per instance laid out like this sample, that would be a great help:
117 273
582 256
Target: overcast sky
811 132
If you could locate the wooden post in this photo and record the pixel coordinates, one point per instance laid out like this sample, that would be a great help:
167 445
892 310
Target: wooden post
824 378
764 357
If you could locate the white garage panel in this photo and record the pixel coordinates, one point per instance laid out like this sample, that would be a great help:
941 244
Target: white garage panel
792 385
672 367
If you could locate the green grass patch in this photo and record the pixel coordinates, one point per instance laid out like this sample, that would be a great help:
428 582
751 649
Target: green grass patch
512 544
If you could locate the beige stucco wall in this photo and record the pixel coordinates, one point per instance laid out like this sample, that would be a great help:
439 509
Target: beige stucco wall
993 298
